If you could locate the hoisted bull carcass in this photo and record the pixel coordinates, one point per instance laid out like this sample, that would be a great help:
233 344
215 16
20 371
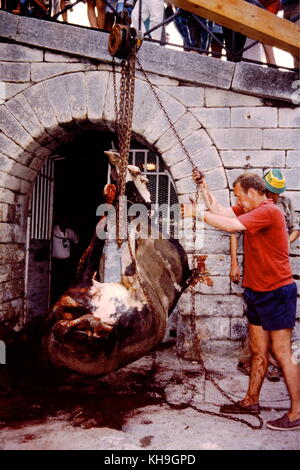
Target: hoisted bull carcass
97 327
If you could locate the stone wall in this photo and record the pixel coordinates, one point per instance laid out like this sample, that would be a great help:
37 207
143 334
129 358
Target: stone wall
56 81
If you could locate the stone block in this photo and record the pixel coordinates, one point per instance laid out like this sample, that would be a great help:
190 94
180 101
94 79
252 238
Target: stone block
11 289
14 72
237 288
24 113
218 285
185 185
44 71
213 117
189 96
76 93
221 347
9 90
233 174
292 177
215 97
64 38
216 179
57 95
289 117
239 139
53 57
8 24
281 139
17 53
7 213
11 253
142 94
214 328
238 328
177 64
156 128
12 128
215 242
185 126
157 80
182 169
150 108
214 264
25 186
293 158
207 159
9 272
254 79
36 163
6 195
9 182
261 117
9 147
245 159
97 95
295 198
38 100
295 264
22 171
219 305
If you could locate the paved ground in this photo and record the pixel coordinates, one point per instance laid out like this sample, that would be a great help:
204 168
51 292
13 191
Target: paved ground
151 404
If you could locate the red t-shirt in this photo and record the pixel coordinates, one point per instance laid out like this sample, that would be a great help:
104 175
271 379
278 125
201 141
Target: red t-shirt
266 256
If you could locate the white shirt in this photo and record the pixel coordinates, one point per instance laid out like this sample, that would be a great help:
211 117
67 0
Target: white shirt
61 242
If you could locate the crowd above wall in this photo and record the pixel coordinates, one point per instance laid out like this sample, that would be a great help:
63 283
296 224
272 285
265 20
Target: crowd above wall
198 35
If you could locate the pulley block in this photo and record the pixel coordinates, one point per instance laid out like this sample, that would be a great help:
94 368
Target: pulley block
122 39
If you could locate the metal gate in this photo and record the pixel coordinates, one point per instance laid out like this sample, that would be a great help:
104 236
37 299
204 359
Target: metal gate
38 244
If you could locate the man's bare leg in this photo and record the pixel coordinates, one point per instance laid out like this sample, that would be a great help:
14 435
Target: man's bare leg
281 346
259 341
100 5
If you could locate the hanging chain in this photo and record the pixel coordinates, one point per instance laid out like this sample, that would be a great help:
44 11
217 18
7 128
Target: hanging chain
124 114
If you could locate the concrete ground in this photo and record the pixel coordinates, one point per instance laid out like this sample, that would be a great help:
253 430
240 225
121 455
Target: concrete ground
152 404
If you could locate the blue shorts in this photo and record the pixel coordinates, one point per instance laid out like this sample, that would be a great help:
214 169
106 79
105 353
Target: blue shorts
273 310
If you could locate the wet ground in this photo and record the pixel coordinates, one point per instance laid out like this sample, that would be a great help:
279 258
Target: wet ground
159 402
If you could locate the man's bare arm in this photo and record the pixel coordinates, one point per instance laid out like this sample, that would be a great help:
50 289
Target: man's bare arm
228 224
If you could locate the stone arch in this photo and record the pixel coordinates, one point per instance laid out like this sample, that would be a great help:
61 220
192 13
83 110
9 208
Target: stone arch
37 120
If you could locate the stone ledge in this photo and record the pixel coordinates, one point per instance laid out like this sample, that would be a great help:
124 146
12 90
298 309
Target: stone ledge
245 78
264 82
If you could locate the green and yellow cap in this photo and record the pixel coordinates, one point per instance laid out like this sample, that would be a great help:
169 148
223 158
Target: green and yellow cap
275 181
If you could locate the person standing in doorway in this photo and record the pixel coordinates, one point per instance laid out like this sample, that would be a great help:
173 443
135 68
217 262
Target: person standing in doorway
63 241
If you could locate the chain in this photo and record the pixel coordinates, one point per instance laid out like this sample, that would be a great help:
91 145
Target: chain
124 114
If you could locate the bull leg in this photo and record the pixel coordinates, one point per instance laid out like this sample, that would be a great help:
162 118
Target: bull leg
91 326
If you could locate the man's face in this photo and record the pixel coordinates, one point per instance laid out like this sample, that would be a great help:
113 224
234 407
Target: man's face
273 196
244 200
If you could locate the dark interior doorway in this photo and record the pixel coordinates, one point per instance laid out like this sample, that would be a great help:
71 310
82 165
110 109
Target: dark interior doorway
80 174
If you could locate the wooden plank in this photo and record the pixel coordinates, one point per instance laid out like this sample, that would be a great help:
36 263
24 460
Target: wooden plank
254 22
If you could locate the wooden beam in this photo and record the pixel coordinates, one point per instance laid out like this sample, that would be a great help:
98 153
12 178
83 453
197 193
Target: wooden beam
254 22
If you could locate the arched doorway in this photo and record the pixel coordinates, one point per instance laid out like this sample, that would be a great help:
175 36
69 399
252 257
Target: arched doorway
71 183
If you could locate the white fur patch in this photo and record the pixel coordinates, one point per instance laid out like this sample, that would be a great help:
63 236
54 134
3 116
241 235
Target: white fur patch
110 300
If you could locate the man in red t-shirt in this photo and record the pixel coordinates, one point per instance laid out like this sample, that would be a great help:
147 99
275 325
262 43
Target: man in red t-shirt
270 292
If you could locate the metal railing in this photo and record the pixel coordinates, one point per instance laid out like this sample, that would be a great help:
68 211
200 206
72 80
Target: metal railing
231 53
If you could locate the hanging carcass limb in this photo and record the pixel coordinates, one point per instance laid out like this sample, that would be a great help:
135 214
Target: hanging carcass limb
256 23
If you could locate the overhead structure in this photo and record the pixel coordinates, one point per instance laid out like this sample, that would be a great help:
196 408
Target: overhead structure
256 23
